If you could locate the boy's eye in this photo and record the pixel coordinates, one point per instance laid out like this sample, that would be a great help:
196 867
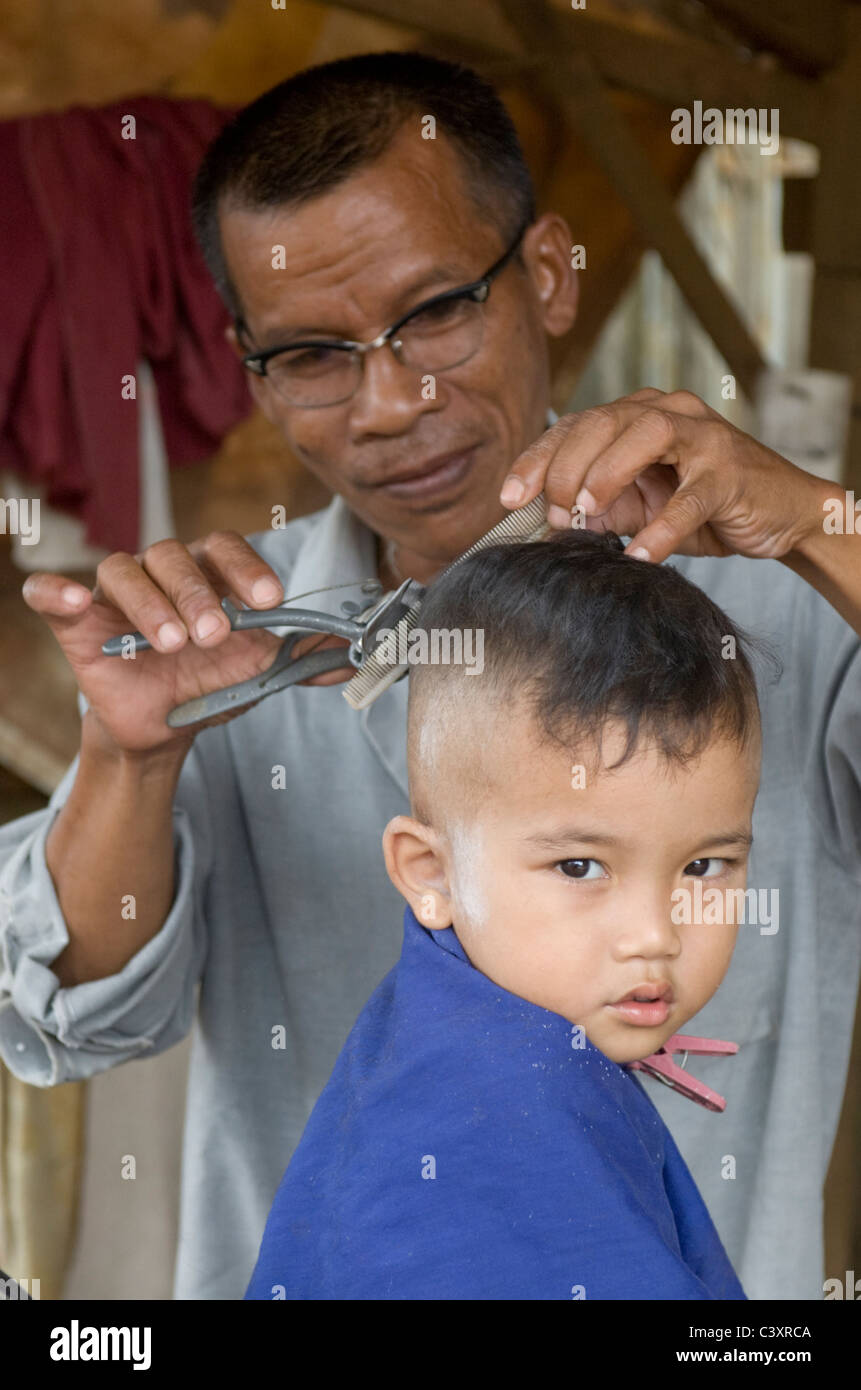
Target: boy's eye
581 868
699 868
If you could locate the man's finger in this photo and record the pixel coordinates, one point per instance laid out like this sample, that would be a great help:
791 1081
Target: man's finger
54 596
653 436
623 437
526 476
226 557
656 437
315 642
686 512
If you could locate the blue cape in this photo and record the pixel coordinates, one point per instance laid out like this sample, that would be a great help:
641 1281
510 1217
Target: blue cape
463 1148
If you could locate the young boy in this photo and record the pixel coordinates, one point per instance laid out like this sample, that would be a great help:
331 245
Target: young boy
481 1136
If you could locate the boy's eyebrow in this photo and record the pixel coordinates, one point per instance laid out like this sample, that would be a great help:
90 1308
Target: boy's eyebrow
729 837
560 839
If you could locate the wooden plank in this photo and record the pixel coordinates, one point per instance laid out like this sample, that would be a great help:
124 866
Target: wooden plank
39 723
668 68
29 758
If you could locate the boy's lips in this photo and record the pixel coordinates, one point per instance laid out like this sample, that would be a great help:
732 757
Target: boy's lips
646 1005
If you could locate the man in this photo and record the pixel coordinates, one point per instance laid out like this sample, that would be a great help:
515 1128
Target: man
325 215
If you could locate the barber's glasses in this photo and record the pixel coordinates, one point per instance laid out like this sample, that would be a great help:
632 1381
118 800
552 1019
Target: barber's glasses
436 335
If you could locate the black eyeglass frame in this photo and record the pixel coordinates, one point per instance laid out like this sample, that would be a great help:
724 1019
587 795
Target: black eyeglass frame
476 290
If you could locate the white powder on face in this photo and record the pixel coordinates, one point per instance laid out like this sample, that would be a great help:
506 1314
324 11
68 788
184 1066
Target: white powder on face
468 874
429 739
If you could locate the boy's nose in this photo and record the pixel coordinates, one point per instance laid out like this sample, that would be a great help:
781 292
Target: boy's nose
648 931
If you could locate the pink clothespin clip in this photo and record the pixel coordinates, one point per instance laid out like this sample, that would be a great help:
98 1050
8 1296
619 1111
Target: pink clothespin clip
661 1065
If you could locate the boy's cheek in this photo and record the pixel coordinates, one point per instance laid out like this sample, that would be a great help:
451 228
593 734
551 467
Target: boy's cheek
721 943
707 968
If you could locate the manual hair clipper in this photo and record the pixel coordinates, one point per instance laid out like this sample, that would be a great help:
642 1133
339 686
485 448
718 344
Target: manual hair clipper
361 625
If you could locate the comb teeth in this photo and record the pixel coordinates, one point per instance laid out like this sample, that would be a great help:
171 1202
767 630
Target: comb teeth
528 523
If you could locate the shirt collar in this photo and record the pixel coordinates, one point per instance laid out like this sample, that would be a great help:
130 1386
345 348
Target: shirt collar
341 548
444 937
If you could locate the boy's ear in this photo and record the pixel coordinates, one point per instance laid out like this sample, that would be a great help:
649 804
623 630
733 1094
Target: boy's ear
416 867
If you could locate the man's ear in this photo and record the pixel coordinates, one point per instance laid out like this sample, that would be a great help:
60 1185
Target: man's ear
415 865
233 339
547 252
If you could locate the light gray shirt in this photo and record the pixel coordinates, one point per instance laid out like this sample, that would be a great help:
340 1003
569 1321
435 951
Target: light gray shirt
284 918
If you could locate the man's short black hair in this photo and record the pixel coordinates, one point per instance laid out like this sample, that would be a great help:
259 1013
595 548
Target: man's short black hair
312 131
587 635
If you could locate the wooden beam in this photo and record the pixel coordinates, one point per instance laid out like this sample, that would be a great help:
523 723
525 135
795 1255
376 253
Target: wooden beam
600 220
806 37
581 95
569 78
835 334
669 69
677 69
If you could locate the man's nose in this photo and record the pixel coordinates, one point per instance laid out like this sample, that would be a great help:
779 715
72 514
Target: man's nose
390 396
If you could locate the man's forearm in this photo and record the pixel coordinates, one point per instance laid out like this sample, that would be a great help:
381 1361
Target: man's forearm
830 561
110 855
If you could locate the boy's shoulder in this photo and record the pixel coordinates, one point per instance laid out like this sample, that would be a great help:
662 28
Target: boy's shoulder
470 1140
438 1021
446 1068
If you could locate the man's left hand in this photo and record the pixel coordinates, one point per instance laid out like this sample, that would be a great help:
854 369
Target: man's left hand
674 475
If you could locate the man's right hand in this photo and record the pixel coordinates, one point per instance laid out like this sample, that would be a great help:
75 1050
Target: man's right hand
165 592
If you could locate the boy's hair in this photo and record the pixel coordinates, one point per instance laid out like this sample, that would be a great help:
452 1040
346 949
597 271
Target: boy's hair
585 635
312 131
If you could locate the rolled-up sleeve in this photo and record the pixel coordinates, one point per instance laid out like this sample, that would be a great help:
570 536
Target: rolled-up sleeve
50 1034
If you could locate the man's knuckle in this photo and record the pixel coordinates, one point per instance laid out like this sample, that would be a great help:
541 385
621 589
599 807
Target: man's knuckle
686 400
162 550
645 393
597 417
217 540
191 591
117 560
654 422
694 505
203 547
